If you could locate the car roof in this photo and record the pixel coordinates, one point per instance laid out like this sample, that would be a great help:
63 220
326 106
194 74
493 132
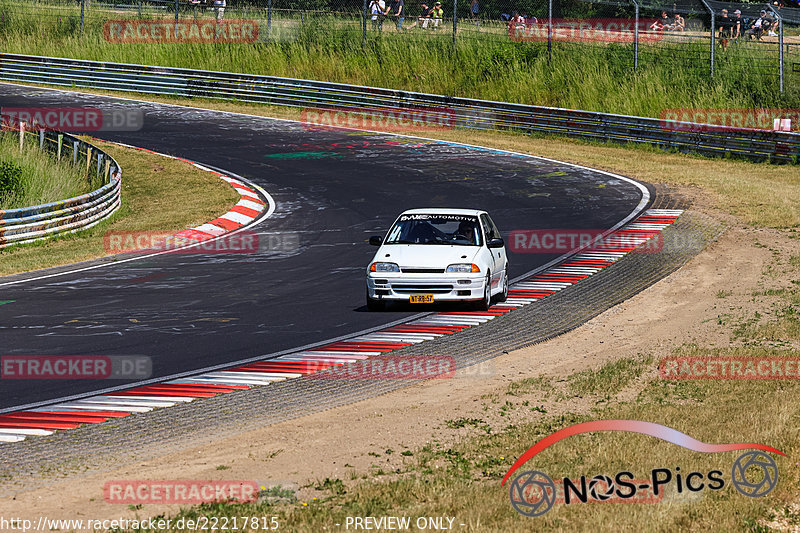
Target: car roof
443 211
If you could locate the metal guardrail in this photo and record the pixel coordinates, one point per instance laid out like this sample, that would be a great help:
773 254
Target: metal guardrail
27 224
758 145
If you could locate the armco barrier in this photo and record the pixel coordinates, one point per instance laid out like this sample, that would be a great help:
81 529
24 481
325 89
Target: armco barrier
759 145
28 224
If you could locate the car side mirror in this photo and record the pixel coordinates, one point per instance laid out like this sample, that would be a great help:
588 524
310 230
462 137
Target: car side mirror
496 243
376 240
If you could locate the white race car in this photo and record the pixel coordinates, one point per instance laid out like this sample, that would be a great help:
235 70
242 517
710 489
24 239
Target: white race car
438 255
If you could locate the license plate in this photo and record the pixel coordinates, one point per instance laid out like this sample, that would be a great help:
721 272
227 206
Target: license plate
421 298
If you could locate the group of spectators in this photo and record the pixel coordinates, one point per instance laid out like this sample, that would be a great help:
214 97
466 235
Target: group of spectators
395 10
665 23
381 10
219 7
735 27
729 27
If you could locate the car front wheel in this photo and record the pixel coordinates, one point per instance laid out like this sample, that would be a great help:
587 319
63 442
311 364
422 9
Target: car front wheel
375 305
486 302
504 295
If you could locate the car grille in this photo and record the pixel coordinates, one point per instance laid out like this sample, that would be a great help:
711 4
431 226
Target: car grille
422 270
429 289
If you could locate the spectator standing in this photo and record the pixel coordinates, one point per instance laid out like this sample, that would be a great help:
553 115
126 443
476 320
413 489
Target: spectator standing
737 25
396 9
376 8
219 9
473 10
725 29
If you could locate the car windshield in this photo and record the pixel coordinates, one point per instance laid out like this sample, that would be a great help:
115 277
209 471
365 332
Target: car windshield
459 230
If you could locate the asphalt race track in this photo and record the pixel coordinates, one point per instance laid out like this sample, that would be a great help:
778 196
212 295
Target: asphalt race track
333 189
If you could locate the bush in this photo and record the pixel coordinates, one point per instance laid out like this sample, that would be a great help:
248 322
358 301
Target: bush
10 178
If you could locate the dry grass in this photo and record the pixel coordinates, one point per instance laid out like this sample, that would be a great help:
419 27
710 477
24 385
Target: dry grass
463 480
158 194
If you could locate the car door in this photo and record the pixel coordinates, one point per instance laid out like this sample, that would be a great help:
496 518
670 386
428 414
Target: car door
498 255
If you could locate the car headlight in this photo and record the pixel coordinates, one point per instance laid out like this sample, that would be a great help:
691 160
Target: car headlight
384 267
463 267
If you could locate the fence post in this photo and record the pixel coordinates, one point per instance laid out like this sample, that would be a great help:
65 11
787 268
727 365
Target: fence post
269 18
21 134
60 142
75 149
176 17
549 29
83 2
364 25
780 56
41 139
780 46
713 34
636 36
455 20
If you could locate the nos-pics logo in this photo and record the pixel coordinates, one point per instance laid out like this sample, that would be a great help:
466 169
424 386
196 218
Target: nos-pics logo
533 493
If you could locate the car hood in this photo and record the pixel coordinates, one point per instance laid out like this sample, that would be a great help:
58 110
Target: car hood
426 255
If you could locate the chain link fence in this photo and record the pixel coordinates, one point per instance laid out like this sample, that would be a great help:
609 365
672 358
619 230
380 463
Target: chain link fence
707 37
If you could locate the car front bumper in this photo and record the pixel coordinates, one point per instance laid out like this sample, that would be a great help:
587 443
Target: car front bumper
389 286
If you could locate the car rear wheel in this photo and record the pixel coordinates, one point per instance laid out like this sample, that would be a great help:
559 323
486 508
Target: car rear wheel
375 305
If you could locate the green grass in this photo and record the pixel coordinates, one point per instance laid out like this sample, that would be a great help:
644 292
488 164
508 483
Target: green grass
610 378
591 77
39 177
